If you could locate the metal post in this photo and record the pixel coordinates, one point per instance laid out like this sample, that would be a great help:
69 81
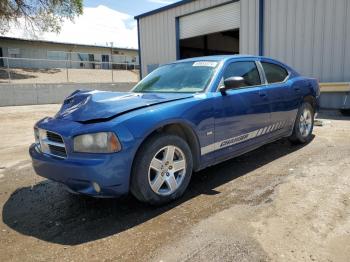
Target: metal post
67 71
8 69
112 60
112 71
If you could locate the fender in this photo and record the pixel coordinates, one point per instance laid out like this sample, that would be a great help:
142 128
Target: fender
190 131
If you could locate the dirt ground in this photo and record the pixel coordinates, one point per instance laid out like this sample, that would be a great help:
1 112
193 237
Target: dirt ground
277 203
31 76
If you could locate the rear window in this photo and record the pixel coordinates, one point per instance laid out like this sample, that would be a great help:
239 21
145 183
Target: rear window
274 73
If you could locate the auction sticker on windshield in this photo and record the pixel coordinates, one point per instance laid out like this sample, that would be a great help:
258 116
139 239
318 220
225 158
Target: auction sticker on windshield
205 63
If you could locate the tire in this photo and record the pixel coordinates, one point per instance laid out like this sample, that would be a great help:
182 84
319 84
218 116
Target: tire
302 131
154 178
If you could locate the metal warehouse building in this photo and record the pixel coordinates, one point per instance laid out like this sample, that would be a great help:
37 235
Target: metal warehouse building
313 36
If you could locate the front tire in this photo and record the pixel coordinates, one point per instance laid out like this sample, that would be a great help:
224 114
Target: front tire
304 124
161 170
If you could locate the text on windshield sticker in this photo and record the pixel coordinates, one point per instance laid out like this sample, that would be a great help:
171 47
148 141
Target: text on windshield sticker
205 63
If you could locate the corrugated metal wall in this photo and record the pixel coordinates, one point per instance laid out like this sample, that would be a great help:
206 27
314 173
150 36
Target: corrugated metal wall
249 30
312 36
213 20
157 32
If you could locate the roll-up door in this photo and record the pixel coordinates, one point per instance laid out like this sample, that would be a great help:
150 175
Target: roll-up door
217 19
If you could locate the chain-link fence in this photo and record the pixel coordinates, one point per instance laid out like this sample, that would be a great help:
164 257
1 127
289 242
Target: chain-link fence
26 70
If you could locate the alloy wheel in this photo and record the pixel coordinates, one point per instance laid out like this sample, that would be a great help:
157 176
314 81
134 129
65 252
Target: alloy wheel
167 170
305 122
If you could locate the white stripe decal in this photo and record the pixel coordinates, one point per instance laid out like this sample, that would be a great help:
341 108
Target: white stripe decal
242 138
259 131
275 127
279 125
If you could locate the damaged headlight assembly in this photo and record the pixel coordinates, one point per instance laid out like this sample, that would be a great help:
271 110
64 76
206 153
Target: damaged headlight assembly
102 142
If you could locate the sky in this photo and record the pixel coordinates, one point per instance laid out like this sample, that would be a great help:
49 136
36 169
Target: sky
131 7
106 22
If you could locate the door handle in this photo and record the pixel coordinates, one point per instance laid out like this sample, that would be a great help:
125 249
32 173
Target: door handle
297 89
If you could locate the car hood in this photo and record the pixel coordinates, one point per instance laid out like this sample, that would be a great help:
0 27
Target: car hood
85 106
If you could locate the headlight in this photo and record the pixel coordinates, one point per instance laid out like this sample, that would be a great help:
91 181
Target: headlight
36 135
104 142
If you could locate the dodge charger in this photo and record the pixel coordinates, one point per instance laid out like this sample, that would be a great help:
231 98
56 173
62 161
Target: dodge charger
181 118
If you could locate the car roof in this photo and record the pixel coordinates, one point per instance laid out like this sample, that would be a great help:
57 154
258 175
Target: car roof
216 58
224 58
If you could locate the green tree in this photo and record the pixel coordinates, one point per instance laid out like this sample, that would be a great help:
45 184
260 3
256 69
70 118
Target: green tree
38 15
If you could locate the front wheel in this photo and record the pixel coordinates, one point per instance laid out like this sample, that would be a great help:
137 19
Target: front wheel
304 124
162 169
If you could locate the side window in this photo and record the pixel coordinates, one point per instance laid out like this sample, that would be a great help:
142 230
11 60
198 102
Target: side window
247 70
274 73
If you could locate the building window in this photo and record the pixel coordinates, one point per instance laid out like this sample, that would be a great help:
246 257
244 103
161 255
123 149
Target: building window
13 52
83 56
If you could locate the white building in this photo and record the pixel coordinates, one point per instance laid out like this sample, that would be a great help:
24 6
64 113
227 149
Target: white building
22 53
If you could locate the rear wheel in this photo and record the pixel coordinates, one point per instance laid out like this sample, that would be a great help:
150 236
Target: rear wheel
162 169
304 124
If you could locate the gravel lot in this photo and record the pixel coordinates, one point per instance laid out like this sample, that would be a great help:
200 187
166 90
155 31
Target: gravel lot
43 76
277 203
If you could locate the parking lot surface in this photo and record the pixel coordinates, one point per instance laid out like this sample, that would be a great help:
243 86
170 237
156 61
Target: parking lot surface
277 203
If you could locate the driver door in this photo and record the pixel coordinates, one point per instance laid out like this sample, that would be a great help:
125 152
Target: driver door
242 115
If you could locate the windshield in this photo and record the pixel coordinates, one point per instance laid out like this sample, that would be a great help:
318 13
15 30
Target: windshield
186 77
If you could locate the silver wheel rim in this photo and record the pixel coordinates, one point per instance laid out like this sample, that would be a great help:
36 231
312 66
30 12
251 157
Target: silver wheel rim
167 170
305 123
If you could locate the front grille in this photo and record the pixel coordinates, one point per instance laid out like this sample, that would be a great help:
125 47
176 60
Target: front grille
58 151
54 137
52 144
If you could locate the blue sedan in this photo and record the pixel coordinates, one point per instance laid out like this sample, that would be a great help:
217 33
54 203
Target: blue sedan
181 118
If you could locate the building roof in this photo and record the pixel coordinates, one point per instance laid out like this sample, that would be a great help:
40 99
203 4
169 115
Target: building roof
163 8
63 43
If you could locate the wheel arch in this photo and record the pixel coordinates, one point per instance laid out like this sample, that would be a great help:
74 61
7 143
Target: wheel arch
181 129
311 100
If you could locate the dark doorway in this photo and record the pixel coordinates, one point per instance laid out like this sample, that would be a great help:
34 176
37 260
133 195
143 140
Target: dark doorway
1 59
105 61
221 43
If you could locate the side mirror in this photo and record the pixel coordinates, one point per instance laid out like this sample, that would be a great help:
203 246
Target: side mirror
232 83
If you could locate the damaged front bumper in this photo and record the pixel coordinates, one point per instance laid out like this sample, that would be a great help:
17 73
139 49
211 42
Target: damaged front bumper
82 175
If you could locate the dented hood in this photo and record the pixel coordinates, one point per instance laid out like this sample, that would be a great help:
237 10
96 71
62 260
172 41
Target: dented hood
83 106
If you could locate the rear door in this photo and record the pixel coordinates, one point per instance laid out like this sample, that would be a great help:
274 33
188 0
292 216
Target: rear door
282 96
243 113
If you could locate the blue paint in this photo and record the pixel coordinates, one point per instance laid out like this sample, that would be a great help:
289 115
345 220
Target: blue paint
134 116
261 26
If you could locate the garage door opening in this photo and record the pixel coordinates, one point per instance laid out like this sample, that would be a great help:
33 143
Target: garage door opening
221 43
